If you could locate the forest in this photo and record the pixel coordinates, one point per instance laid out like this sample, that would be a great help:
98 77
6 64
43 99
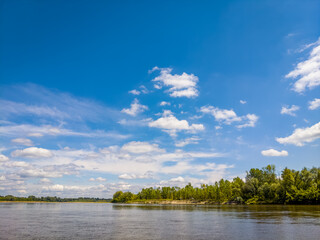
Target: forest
260 186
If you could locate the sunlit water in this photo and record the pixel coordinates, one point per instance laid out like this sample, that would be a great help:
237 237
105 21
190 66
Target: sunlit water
113 221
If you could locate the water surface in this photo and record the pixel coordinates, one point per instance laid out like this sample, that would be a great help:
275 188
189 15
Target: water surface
116 221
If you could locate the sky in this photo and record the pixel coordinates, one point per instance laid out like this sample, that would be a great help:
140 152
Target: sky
101 96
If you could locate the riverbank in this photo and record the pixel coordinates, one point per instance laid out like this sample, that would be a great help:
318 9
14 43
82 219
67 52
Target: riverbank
179 202
195 202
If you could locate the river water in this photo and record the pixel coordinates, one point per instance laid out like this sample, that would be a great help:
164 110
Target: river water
116 221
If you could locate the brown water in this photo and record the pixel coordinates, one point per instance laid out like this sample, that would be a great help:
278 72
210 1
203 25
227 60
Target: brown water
115 221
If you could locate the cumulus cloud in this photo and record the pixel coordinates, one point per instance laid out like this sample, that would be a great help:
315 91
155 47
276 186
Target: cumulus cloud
143 90
135 92
250 121
32 152
173 181
187 141
307 72
300 136
164 103
127 176
115 160
56 187
45 180
22 141
112 160
49 171
290 110
274 153
243 101
170 124
84 191
141 147
98 179
221 115
184 85
135 108
228 117
19 164
3 158
315 104
133 160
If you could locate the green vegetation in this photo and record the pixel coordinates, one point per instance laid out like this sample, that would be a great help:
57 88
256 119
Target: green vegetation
51 199
260 186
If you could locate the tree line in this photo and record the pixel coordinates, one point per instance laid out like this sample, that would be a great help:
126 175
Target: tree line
32 198
259 186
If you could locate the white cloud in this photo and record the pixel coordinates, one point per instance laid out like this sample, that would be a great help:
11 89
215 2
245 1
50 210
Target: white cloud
127 176
48 171
250 121
45 180
19 164
135 92
187 141
32 152
22 141
164 103
101 179
56 187
143 89
39 131
141 147
308 71
221 115
98 179
290 110
115 160
135 108
300 136
3 178
135 122
189 93
274 153
313 105
184 85
173 181
229 116
35 134
177 179
243 101
112 160
147 175
170 124
3 158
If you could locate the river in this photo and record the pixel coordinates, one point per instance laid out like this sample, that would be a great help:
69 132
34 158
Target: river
117 221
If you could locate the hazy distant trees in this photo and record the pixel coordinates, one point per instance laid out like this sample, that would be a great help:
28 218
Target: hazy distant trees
32 198
259 186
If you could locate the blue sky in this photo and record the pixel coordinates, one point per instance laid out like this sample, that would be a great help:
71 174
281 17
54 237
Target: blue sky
102 96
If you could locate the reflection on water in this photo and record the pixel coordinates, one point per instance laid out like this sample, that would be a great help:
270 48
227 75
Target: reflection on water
122 221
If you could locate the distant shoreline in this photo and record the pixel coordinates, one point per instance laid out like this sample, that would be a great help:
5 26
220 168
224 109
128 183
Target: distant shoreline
175 202
192 202
48 202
